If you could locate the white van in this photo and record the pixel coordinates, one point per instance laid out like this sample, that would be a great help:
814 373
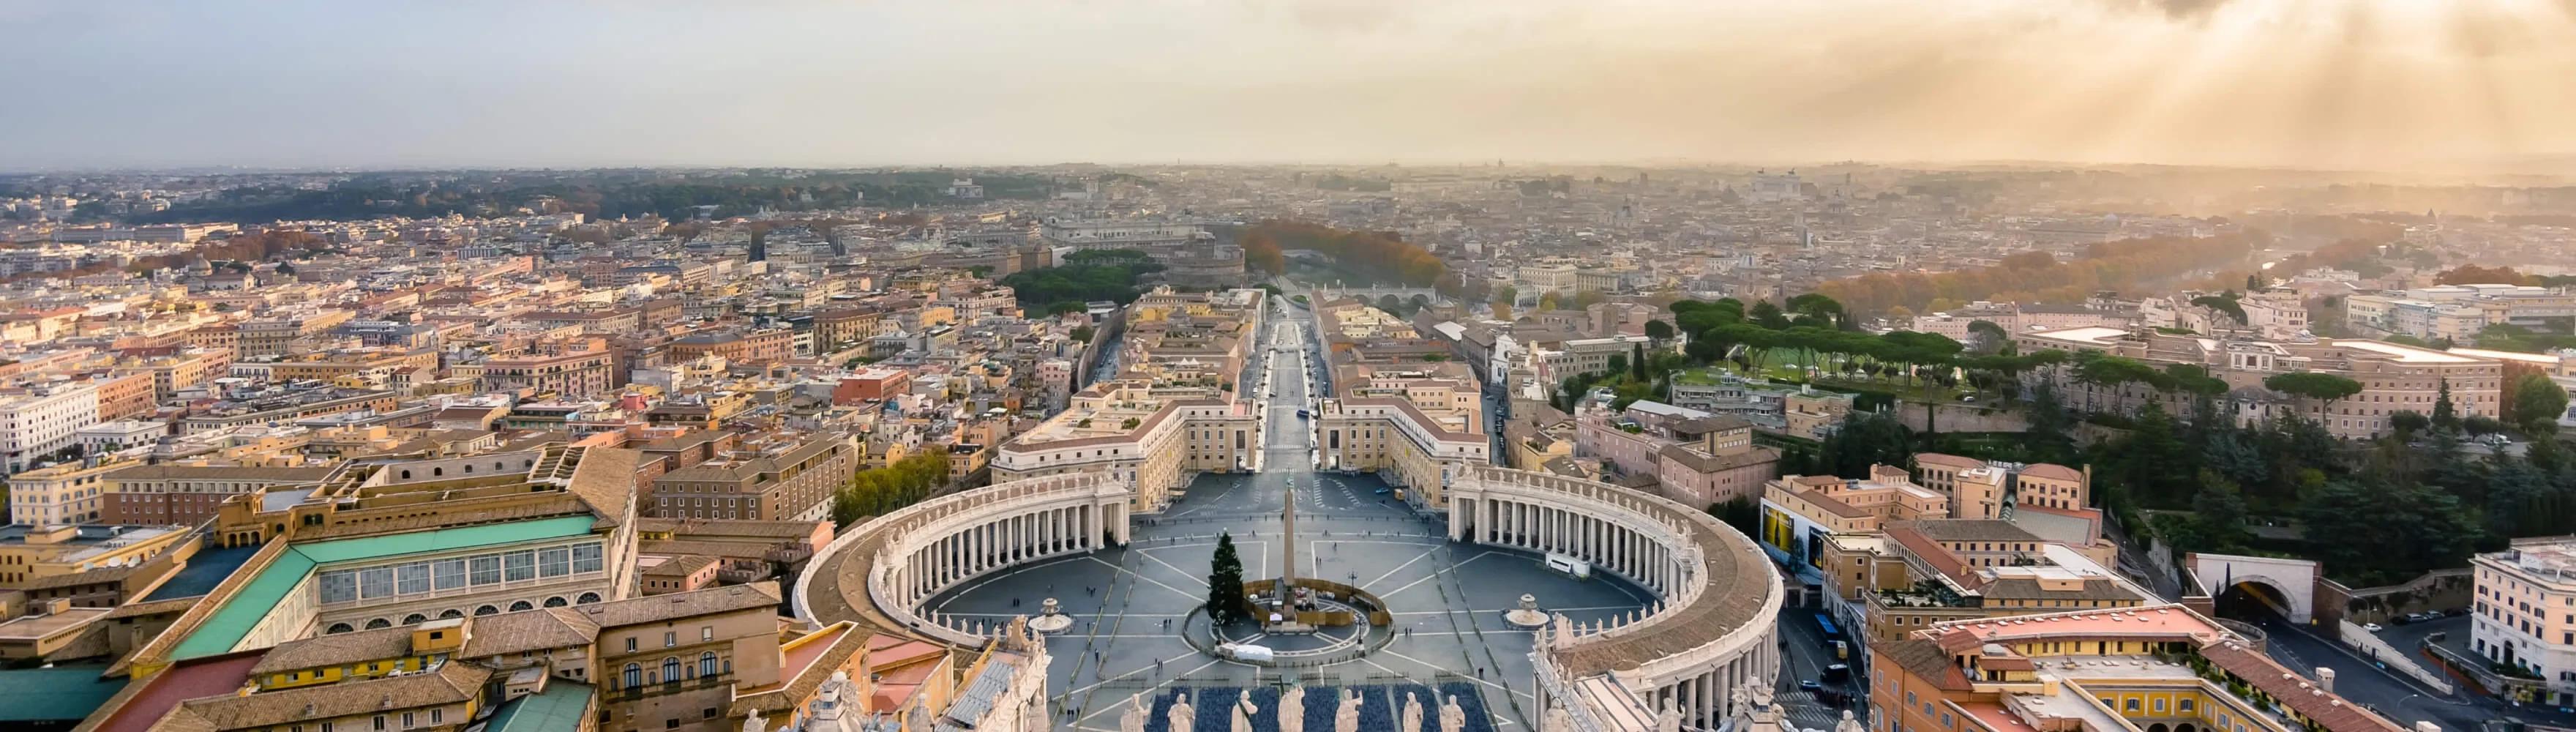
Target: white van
1245 652
1569 566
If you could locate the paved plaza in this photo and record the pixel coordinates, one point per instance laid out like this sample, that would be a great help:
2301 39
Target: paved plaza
1129 605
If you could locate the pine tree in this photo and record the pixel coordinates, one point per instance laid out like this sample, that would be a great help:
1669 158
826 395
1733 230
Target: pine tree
2445 416
1225 582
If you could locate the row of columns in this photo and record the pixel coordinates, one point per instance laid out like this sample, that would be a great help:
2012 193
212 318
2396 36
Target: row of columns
1009 540
1552 528
1705 700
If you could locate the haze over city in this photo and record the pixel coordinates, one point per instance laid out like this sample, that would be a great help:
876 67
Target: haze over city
1288 366
2397 85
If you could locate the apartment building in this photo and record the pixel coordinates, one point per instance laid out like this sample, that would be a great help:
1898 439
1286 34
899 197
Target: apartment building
1911 574
1799 512
778 477
291 333
1693 457
1154 440
33 554
173 493
37 422
70 493
2097 670
577 375
1982 490
1393 434
2523 618
2458 312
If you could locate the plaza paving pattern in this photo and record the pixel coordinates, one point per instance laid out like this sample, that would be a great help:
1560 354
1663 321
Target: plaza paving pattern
1130 604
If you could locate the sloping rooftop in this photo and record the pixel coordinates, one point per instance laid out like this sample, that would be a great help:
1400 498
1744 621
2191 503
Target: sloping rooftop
225 628
562 707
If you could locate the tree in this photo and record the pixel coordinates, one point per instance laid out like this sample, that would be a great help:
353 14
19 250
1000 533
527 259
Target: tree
2218 511
2537 403
1225 583
1740 512
1768 316
2377 532
2323 387
2408 422
2445 415
1502 310
1618 362
1659 331
1637 361
1548 301
1987 336
1874 438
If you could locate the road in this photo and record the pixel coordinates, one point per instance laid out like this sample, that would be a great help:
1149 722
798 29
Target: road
2396 697
1804 656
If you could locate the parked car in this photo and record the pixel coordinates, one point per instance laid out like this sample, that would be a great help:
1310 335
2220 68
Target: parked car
2372 627
1809 685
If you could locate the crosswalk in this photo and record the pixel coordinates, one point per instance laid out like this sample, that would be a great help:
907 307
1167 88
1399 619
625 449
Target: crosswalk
1804 712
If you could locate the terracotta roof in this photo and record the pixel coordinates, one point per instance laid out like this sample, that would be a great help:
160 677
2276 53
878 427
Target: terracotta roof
2048 471
1970 530
1925 660
659 608
605 479
2093 588
336 649
1947 460
527 630
679 566
2324 707
1931 552
1703 462
453 683
1831 504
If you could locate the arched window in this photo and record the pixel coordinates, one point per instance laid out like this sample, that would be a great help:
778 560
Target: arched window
450 613
556 602
670 669
338 628
487 610
469 468
415 619
586 598
379 624
498 465
521 605
634 675
437 471
406 475
707 663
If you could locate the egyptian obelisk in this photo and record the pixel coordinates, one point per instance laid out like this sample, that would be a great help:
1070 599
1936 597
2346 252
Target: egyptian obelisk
1288 563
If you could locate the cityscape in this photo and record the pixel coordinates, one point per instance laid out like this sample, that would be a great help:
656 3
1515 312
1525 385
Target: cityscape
1308 366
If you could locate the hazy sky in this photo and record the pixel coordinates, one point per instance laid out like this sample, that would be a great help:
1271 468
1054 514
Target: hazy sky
2342 83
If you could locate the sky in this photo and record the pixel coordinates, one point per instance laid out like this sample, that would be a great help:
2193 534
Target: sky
2343 84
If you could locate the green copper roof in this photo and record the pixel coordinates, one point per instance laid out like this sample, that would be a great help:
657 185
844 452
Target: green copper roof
225 628
561 708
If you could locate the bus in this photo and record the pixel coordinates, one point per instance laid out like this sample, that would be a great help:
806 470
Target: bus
1826 623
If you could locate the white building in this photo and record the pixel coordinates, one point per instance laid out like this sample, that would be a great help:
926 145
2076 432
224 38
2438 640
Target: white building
42 421
2521 617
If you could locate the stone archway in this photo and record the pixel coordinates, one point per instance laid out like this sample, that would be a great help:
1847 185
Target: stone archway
2291 582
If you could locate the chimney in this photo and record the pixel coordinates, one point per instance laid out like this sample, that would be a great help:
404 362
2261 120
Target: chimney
2325 679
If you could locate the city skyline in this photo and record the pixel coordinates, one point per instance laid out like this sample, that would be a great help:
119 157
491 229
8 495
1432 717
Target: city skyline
2377 85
